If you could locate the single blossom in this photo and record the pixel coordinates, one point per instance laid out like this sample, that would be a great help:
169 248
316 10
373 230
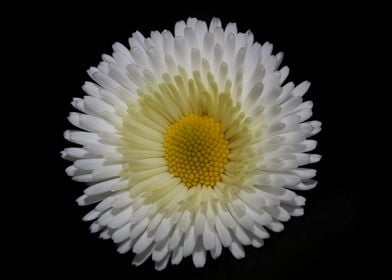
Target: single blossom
190 142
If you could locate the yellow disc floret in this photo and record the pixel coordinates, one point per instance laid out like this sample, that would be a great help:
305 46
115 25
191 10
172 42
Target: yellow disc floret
196 150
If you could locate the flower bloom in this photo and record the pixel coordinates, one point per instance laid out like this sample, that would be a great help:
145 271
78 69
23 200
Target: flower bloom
190 142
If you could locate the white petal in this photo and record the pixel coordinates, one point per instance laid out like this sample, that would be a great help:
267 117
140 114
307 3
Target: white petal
121 218
179 28
306 146
260 232
293 210
97 106
107 217
177 255
102 187
217 251
223 233
106 234
139 228
241 235
86 200
105 204
140 214
189 242
304 173
81 137
237 250
122 200
199 255
95 124
122 233
284 72
143 243
125 247
199 223
301 89
208 237
279 213
163 263
76 153
163 229
257 242
297 201
304 185
107 172
95 227
175 238
90 164
160 251
143 256
87 178
275 226
185 221
74 171
266 50
92 215
215 22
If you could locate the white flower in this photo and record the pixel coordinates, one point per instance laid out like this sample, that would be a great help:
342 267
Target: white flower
190 143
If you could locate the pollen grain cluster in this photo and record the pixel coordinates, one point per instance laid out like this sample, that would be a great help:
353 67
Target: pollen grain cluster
196 150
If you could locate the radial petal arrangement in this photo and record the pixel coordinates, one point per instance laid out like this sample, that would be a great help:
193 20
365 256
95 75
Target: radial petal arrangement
190 143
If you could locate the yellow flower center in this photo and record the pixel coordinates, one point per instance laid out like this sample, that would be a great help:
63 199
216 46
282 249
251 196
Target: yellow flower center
196 150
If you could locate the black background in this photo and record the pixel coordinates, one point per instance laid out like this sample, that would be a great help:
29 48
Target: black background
341 48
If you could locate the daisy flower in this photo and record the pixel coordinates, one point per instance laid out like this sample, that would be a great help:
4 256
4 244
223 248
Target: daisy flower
190 143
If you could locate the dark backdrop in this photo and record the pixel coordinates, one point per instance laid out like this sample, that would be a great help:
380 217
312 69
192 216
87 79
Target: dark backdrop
338 47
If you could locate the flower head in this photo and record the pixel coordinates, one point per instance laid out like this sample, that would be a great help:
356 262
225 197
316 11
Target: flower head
190 142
